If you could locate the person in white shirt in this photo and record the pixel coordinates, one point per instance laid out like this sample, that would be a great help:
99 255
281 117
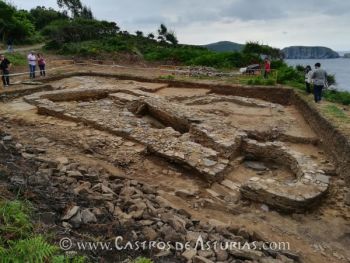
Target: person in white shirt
308 74
32 64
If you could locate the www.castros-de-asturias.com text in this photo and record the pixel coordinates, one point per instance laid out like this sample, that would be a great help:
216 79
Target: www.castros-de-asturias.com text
119 244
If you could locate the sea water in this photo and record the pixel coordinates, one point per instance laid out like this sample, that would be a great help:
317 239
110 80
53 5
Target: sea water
340 67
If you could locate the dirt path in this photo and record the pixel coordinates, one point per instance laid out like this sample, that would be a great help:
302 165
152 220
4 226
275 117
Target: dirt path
25 48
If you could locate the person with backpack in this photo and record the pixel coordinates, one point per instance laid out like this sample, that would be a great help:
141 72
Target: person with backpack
42 64
319 79
308 73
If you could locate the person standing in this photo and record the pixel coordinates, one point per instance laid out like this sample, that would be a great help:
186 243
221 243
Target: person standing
32 64
319 79
5 66
10 45
41 63
308 73
267 68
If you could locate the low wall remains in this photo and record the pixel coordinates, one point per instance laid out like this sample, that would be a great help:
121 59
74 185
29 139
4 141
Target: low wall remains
334 142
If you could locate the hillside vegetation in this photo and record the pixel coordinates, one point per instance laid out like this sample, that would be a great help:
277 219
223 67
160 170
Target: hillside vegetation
73 30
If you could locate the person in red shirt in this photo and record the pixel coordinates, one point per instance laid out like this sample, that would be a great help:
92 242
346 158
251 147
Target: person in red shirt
42 64
267 68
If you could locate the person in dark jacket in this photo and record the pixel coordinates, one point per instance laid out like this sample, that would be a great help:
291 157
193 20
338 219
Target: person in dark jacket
319 79
5 66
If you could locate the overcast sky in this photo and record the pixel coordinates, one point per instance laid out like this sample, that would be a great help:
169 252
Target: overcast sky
279 23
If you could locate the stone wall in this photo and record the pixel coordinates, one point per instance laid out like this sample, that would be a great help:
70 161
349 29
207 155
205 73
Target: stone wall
268 93
334 142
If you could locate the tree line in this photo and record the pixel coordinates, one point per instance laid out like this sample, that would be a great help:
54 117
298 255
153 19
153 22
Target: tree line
73 22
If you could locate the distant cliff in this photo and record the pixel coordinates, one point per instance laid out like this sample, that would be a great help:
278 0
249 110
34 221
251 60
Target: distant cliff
347 55
300 52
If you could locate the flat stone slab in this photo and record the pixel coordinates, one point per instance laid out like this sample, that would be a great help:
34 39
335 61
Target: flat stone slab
257 166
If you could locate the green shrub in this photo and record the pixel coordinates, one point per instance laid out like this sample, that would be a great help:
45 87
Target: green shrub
167 77
289 74
143 260
17 59
259 81
342 97
14 221
77 30
18 242
34 249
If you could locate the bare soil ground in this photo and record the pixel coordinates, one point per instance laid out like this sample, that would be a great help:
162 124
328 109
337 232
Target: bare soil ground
321 234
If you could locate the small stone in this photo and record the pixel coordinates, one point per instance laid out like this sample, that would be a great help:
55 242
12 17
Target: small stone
7 138
164 253
129 144
322 178
189 254
74 174
150 234
42 140
71 212
221 255
254 179
88 217
205 253
83 186
163 202
185 193
215 223
209 163
265 208
347 198
258 166
199 259
76 220
229 184
62 160
18 146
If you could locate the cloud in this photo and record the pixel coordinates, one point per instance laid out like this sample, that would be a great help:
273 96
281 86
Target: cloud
255 10
308 22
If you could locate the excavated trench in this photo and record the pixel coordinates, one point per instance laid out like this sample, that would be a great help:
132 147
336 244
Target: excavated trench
213 148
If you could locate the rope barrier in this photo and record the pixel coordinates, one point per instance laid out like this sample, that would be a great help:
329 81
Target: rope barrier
26 73
113 65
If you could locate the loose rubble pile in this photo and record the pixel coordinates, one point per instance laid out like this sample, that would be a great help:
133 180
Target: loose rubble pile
77 197
202 71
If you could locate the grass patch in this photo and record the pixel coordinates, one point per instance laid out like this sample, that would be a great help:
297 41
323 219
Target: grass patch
18 241
14 221
258 81
166 77
143 260
17 59
336 112
342 97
